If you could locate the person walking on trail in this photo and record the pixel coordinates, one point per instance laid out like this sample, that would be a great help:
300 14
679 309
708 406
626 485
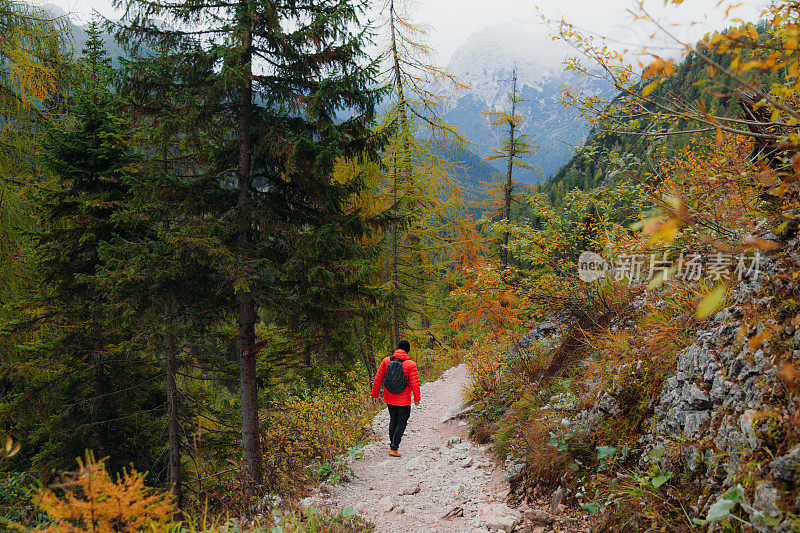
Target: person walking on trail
398 375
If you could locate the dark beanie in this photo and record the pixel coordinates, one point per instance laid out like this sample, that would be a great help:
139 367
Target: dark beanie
404 345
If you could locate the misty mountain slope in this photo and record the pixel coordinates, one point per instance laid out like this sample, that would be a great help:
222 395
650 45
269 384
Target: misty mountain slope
80 35
485 62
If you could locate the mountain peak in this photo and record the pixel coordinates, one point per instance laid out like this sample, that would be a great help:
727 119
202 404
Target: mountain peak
524 43
487 58
52 10
485 62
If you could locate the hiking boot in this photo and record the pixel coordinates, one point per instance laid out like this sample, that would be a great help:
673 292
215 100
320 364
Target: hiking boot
394 453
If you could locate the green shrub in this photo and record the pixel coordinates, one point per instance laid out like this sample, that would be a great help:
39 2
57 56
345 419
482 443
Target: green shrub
17 504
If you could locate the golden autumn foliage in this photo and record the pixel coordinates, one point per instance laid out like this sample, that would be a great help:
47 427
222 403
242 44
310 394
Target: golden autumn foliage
311 432
416 182
32 43
713 179
482 296
32 57
90 500
484 364
707 196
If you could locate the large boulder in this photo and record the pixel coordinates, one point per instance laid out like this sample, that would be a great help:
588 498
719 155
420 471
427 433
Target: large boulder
547 332
514 469
766 498
787 467
498 516
459 410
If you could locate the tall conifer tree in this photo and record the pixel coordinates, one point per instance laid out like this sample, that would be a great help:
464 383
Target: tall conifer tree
418 179
33 68
89 391
165 284
513 150
272 76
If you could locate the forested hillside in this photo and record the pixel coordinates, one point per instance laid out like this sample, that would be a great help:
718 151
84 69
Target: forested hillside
212 243
609 153
195 261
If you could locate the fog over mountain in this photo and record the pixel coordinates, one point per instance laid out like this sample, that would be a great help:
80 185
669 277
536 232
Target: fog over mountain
80 35
485 62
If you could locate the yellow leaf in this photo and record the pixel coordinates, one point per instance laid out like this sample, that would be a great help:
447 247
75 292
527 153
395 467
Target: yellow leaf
649 88
673 202
9 442
666 232
756 340
711 302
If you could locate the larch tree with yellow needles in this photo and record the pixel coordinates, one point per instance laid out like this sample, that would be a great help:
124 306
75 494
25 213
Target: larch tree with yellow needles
32 67
90 500
513 150
417 181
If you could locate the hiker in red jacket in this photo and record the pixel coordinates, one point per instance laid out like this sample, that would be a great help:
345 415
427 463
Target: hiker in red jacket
398 402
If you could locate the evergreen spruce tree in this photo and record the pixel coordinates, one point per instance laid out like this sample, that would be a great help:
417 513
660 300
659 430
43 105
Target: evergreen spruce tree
271 76
83 388
165 283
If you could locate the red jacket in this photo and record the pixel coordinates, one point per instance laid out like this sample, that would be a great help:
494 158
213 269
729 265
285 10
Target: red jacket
412 378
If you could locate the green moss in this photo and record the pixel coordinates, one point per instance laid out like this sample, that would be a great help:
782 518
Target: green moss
770 429
787 309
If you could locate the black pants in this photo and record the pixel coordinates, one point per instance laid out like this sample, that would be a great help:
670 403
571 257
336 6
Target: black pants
398 418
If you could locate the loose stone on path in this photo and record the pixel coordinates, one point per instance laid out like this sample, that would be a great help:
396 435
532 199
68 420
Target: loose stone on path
440 481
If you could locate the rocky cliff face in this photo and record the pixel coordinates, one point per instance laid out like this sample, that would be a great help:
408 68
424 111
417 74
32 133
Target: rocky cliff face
724 423
714 397
718 417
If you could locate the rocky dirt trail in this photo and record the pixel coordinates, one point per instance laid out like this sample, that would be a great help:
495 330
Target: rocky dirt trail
442 482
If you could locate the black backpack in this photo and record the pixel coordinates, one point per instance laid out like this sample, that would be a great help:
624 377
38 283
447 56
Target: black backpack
394 380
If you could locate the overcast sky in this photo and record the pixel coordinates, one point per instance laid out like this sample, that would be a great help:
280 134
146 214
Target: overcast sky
452 21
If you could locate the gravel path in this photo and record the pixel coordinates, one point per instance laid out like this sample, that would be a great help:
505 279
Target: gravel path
440 471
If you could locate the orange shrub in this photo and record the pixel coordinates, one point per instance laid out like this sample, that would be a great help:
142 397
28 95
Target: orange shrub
89 500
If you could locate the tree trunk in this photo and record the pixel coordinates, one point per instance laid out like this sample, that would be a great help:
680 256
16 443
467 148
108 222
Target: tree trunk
173 428
509 185
251 442
367 348
101 382
401 106
171 358
395 318
392 340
